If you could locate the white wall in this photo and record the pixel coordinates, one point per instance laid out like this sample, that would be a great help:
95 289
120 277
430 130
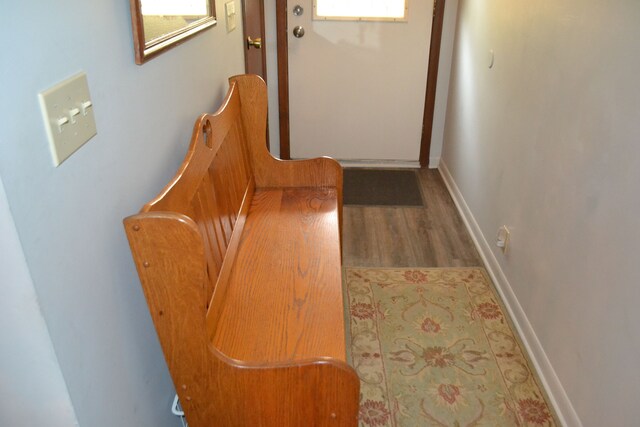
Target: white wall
69 218
547 143
32 390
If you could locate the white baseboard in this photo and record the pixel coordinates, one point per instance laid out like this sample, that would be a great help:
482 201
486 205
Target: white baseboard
389 164
550 381
434 162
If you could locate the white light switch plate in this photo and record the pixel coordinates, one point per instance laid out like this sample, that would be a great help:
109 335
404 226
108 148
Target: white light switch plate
230 12
67 111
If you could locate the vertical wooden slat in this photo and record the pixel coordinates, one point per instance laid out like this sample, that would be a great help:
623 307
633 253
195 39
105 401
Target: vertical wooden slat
198 210
236 172
231 187
216 171
209 211
194 210
214 218
246 161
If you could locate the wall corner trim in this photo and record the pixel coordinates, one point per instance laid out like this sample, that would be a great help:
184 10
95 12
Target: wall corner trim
550 381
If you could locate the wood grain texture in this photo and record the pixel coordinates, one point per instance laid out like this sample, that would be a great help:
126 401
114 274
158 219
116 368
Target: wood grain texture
289 256
429 236
215 390
211 183
268 171
243 281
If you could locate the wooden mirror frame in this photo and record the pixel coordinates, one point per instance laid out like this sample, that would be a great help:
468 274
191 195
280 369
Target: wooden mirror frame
147 50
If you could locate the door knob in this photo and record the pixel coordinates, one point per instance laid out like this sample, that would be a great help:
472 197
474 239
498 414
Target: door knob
298 31
257 43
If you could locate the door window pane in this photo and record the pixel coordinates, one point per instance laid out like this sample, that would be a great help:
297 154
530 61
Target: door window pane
370 10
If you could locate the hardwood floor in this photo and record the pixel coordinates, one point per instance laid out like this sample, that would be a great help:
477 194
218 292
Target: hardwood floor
399 236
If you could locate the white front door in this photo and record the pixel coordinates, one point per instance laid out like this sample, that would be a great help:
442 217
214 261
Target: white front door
357 88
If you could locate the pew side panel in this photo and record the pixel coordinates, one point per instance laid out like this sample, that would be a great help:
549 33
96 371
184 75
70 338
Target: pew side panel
213 389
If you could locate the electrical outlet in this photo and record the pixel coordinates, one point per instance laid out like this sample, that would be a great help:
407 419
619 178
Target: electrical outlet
503 237
67 111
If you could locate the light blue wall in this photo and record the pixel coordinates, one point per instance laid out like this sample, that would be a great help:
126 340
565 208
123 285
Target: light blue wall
30 378
69 218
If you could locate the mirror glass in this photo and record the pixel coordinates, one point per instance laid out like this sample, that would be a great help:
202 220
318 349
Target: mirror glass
161 24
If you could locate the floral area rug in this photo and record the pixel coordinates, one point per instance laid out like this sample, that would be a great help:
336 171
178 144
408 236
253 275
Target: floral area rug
433 347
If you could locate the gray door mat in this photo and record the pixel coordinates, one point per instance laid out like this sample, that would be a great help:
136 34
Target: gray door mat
381 187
